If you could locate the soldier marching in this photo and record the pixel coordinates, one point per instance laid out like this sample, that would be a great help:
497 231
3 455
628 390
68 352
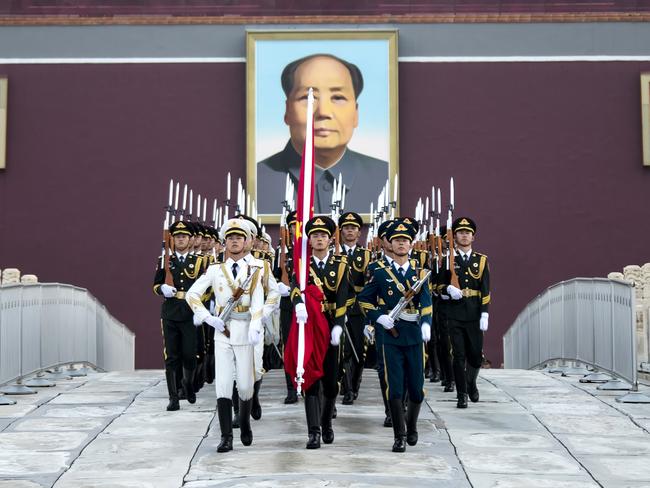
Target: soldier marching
413 302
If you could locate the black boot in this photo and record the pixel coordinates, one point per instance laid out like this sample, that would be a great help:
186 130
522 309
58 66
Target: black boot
224 411
472 389
388 421
179 384
348 395
170 377
357 373
292 395
256 411
326 420
449 387
412 414
235 405
188 385
312 411
209 369
246 433
462 400
399 429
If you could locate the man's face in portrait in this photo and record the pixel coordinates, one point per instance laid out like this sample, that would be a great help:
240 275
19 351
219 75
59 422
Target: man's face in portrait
335 106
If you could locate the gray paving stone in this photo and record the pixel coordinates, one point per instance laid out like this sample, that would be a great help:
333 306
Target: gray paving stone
514 437
182 423
38 424
15 411
33 463
16 483
596 425
74 398
480 480
510 461
45 441
617 470
581 445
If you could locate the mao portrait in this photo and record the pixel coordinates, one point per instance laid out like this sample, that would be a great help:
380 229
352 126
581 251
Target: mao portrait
354 129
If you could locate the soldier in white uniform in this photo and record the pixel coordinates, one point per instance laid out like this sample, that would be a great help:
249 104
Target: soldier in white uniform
271 303
235 339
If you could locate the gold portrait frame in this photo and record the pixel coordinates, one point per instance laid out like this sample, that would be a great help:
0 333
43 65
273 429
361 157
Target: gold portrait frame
645 117
3 121
253 36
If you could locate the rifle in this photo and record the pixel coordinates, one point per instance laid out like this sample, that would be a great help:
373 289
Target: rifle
167 244
283 255
234 300
406 299
451 260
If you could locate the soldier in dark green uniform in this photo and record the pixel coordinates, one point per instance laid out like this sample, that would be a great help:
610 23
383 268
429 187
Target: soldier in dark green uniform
386 259
350 224
286 307
403 338
467 310
179 333
330 274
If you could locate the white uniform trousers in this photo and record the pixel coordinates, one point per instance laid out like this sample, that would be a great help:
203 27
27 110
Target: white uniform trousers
234 362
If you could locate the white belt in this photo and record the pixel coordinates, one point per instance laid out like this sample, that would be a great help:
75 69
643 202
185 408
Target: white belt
240 316
409 317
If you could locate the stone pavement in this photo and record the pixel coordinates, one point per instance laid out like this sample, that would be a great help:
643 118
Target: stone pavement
531 429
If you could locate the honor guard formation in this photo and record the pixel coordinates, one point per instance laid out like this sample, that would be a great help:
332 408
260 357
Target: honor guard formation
412 304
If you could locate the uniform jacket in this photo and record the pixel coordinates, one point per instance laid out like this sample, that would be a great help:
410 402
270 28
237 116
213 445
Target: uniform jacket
334 282
219 277
183 276
358 263
474 280
381 294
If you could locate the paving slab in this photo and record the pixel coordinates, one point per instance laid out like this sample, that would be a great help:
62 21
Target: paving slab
530 429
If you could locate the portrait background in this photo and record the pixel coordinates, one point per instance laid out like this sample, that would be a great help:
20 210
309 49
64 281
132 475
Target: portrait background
374 52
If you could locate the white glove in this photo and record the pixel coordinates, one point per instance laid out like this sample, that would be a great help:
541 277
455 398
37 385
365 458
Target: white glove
484 321
196 320
386 322
215 322
444 297
426 332
454 292
167 291
254 336
369 332
336 335
267 311
301 313
283 289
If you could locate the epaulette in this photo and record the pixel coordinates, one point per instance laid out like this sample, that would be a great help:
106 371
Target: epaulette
342 258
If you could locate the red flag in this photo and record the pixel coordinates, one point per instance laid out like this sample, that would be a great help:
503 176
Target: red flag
317 337
301 250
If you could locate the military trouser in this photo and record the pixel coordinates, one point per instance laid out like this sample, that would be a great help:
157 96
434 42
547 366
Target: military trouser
351 370
329 380
179 342
404 367
466 345
444 349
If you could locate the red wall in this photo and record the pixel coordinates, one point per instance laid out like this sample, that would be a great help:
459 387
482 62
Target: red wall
312 7
546 156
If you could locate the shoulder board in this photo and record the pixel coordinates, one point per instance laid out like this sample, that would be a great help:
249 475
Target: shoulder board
340 258
478 254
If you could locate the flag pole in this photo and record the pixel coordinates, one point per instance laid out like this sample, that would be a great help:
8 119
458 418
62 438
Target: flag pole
304 213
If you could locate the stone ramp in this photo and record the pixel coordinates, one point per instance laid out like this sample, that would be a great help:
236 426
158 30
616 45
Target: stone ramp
530 429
